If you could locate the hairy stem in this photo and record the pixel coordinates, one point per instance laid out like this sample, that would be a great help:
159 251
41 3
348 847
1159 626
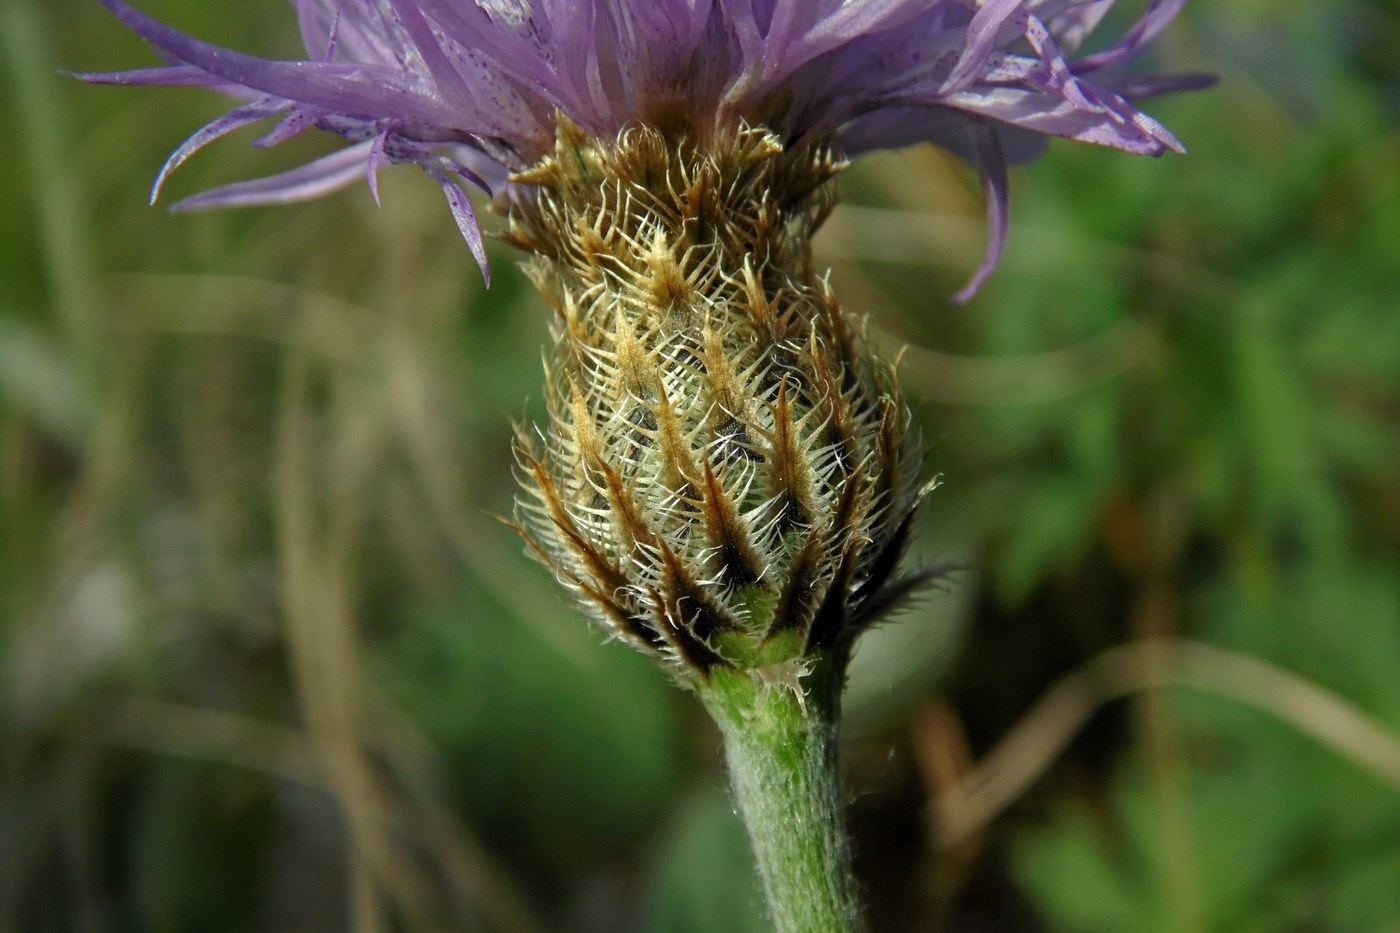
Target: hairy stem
782 753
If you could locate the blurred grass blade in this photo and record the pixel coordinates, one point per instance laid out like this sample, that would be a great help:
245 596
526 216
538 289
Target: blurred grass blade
35 376
57 194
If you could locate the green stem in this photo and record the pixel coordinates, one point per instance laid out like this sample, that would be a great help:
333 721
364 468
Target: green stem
782 756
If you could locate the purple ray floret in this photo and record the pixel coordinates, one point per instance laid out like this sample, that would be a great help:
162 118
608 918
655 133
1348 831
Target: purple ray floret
468 90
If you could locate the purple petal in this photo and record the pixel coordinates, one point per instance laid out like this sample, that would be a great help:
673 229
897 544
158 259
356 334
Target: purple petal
1159 14
982 35
1051 114
462 212
294 124
353 88
1071 21
234 119
663 34
1136 86
847 24
312 180
744 27
508 51
377 159
448 79
997 187
316 23
172 75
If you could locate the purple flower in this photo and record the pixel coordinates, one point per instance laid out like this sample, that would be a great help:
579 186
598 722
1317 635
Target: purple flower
468 90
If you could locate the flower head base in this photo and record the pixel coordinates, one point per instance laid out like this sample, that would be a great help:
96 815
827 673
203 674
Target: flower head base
469 89
729 472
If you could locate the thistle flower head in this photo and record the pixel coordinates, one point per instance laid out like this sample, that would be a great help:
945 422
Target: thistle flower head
469 89
728 474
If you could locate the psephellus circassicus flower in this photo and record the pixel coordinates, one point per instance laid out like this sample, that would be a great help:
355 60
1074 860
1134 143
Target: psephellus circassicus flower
728 474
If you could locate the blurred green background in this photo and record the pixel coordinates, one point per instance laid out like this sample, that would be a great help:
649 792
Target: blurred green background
267 661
